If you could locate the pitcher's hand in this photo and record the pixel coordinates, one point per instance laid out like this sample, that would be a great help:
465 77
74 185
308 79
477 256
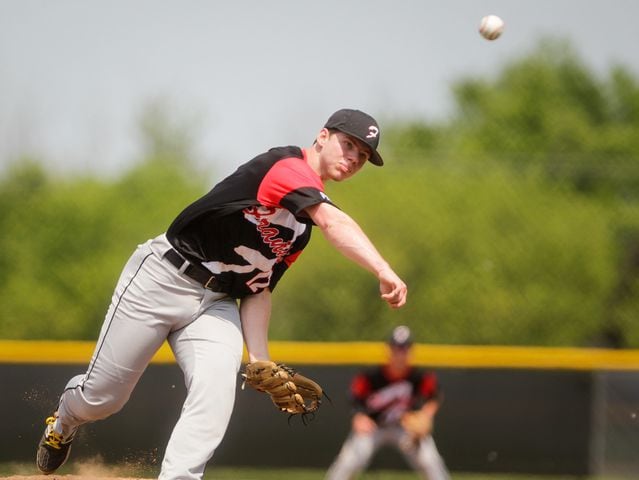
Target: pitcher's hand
392 289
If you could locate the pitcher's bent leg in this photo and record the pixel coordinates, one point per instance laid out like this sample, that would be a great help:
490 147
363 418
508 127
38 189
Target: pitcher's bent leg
209 351
128 339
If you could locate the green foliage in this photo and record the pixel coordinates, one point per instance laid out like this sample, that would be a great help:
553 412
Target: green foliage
548 109
490 256
547 117
64 243
514 222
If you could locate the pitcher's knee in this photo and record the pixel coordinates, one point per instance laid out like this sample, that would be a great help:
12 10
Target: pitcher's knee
84 405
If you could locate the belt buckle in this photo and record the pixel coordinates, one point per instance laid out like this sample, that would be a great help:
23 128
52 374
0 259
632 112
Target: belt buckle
207 285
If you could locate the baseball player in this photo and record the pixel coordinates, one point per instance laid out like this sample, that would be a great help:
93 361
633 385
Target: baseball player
395 405
205 286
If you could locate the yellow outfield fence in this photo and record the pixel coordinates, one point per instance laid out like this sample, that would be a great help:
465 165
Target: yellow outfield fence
360 353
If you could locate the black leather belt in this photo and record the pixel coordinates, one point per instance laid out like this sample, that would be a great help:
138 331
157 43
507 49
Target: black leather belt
199 274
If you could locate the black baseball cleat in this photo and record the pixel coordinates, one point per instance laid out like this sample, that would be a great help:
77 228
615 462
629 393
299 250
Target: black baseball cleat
53 449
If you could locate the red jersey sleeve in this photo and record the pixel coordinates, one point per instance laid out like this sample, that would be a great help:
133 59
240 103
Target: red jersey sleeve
292 184
360 387
428 386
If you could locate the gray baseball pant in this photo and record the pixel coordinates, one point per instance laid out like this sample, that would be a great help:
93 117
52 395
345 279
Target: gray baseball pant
358 449
152 303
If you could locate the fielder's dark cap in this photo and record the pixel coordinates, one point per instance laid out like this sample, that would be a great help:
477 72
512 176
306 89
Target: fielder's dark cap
400 337
359 125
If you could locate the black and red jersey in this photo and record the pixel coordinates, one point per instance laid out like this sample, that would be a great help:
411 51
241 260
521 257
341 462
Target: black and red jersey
385 398
252 225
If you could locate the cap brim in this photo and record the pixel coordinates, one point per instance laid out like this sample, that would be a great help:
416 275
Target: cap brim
376 159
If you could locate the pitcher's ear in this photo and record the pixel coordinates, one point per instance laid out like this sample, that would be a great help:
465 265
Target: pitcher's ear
322 136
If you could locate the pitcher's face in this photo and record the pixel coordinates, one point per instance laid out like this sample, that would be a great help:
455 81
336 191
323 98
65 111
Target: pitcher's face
342 156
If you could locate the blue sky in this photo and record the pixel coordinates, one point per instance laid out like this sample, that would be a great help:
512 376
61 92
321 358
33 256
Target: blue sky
250 74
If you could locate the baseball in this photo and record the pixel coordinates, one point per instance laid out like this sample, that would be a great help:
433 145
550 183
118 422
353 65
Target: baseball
491 27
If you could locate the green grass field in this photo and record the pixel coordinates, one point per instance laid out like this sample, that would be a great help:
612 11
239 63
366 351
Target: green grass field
98 471
255 474
248 474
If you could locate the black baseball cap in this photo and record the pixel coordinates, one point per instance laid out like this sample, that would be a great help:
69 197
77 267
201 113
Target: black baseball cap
401 337
359 125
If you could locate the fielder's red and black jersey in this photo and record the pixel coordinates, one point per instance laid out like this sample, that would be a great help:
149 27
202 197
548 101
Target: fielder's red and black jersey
252 225
385 398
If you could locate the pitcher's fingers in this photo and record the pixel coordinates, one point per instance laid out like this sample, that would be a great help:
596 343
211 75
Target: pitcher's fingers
397 297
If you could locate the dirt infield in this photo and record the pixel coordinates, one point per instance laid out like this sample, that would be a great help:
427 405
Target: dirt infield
93 469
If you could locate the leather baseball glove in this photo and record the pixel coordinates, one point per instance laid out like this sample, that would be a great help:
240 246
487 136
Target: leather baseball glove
417 424
290 392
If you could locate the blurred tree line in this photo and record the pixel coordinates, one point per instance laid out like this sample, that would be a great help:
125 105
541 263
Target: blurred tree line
514 221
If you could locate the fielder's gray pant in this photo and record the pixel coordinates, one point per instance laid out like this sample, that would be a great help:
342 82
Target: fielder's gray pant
358 449
152 303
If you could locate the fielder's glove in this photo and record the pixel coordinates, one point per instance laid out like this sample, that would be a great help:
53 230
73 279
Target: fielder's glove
290 392
417 424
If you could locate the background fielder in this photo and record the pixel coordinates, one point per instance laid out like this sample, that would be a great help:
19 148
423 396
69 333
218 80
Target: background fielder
395 404
234 243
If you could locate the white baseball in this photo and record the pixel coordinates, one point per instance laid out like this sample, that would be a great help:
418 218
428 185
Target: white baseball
491 27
